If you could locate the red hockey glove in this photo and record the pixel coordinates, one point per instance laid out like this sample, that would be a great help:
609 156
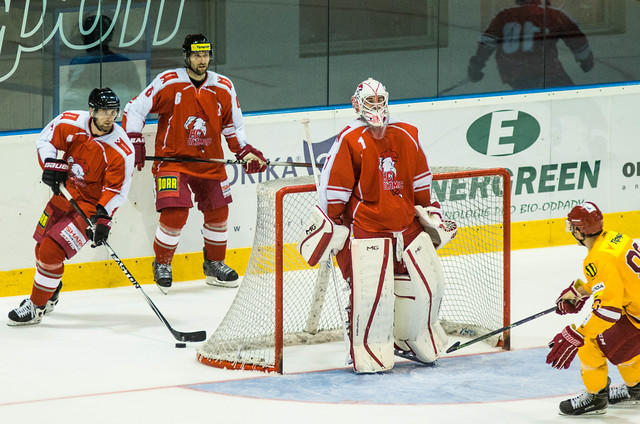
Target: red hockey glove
55 173
140 149
564 347
255 160
101 225
570 300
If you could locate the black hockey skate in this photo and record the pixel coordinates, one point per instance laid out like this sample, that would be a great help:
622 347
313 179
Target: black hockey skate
623 395
586 403
26 314
53 300
219 274
163 276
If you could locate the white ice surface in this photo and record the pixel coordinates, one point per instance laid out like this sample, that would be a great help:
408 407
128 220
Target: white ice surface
104 357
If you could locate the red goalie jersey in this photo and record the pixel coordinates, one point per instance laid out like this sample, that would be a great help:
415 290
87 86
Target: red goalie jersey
191 120
376 183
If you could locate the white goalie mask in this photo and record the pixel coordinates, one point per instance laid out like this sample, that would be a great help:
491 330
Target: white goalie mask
371 102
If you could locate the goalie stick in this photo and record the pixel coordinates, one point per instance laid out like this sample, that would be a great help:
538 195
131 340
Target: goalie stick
458 346
228 161
196 336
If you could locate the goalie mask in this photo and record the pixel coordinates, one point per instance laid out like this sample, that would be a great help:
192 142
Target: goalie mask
586 218
370 101
194 43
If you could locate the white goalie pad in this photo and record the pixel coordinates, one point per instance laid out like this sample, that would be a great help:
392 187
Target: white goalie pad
372 305
321 238
417 302
441 230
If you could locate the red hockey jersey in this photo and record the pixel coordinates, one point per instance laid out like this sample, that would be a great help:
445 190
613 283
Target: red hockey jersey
375 183
100 168
190 120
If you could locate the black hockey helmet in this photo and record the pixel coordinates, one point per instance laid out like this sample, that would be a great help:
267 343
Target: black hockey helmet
103 98
196 43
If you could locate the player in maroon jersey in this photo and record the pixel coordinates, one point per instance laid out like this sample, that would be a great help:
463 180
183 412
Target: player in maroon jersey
525 40
195 107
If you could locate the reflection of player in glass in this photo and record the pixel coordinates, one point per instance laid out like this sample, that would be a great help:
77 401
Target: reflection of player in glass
100 65
525 40
611 331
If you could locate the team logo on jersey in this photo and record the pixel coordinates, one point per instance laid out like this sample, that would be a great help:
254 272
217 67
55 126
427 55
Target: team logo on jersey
196 127
387 166
503 133
79 169
167 183
591 270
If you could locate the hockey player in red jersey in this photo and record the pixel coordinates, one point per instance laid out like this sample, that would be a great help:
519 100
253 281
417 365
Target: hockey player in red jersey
611 331
525 40
96 167
195 107
376 182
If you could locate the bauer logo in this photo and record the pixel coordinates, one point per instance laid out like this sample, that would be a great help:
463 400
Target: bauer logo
503 133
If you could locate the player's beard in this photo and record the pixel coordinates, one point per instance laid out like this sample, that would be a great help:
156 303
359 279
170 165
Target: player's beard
105 128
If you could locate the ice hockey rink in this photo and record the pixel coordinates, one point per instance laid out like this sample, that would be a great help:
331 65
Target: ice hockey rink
104 357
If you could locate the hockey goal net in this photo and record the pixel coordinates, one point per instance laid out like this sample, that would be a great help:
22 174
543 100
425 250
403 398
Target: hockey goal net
284 302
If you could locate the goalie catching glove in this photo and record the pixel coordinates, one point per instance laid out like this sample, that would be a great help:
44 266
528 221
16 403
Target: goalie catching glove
441 229
322 237
254 158
571 300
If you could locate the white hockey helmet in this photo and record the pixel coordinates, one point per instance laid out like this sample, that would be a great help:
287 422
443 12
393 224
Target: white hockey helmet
371 102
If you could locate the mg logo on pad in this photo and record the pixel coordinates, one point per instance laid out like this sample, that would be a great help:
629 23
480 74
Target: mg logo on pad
503 133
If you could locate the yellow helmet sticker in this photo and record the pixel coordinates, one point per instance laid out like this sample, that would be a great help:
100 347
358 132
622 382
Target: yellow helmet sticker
201 47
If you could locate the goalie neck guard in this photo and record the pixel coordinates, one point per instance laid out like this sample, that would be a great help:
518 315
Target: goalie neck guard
586 218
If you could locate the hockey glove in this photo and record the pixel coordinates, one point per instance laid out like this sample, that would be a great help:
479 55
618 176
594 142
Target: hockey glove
564 347
570 300
474 70
255 160
587 64
140 149
101 224
55 173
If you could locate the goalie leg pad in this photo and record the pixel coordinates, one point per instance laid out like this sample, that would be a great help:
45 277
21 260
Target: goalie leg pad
372 304
417 302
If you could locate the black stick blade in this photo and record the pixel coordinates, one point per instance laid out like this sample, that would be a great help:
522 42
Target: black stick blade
453 347
196 336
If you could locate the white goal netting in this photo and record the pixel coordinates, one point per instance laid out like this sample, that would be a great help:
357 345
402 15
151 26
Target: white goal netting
282 301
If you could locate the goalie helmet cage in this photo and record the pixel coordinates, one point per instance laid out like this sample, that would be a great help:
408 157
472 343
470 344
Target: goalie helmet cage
284 302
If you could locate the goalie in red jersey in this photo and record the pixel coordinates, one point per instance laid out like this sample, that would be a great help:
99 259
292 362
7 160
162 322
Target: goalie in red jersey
611 331
524 39
376 186
195 108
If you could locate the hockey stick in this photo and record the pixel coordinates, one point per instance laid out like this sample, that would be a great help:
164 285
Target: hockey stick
454 86
227 161
458 346
196 336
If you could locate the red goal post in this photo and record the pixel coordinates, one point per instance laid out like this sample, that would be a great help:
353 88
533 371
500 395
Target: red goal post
283 302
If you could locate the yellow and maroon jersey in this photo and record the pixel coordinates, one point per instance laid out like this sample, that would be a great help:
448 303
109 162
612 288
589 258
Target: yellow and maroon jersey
100 168
375 183
190 121
612 271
